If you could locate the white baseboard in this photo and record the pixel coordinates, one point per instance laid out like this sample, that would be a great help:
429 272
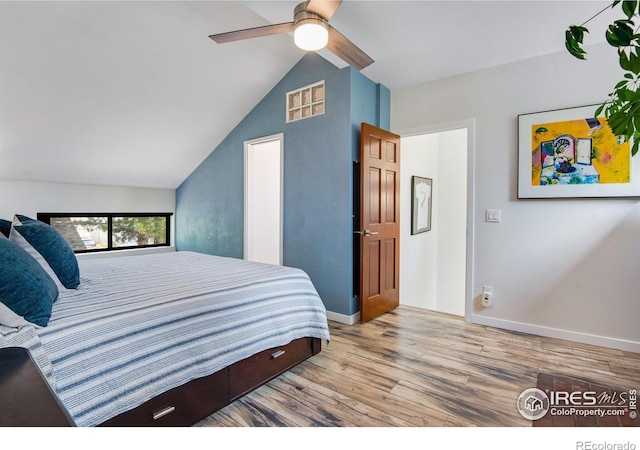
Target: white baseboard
584 338
343 318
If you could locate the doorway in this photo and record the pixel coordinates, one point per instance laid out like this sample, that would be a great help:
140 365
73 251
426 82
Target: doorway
436 264
263 199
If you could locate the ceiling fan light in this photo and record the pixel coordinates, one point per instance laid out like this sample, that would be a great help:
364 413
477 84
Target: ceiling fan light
311 34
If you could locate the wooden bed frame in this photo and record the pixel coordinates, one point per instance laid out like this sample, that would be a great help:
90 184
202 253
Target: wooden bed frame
188 404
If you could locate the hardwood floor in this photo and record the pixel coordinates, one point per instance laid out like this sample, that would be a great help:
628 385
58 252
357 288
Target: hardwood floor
416 368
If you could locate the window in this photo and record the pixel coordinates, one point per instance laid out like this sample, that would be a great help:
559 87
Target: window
103 232
305 102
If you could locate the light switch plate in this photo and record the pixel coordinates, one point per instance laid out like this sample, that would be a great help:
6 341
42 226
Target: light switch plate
493 215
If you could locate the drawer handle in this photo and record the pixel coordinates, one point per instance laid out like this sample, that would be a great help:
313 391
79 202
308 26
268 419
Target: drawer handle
277 354
163 412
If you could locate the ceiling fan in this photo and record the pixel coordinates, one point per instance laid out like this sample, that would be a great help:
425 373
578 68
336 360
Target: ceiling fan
311 31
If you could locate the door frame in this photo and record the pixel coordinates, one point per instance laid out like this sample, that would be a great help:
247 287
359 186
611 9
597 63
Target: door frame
470 125
247 147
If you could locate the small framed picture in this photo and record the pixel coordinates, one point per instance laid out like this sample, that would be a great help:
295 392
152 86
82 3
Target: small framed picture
421 189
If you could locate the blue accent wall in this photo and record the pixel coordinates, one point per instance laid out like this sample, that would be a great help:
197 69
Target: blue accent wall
370 103
318 179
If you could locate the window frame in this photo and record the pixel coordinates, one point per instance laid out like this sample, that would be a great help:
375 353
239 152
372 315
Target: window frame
46 218
310 88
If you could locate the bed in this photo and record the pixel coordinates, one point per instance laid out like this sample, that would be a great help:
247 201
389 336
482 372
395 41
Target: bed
170 338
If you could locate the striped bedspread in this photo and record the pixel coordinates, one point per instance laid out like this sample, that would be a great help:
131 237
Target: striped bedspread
140 325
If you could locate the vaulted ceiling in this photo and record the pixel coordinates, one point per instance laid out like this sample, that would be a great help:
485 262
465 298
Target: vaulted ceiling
136 94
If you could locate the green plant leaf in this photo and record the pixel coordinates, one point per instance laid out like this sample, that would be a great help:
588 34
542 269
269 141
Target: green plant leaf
622 94
578 32
625 62
612 39
620 33
599 110
625 24
619 123
629 7
632 65
573 46
577 53
621 84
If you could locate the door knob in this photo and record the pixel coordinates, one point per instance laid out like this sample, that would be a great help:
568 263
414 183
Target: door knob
366 233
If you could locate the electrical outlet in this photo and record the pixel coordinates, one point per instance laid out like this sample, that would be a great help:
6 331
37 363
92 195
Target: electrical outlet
487 296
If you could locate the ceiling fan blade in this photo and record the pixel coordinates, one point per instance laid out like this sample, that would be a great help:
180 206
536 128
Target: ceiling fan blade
249 33
323 8
347 50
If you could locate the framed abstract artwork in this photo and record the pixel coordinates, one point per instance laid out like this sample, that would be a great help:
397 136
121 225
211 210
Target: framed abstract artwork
568 153
421 189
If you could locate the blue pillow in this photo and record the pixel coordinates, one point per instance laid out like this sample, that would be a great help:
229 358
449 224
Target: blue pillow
23 219
48 247
25 287
5 227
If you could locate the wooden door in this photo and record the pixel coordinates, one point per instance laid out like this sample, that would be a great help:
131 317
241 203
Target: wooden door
379 221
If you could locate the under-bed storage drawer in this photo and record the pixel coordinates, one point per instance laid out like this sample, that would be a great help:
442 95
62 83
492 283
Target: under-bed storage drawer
254 371
182 406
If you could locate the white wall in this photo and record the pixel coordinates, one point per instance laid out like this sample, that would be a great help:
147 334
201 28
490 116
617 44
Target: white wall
433 263
418 253
565 268
30 198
